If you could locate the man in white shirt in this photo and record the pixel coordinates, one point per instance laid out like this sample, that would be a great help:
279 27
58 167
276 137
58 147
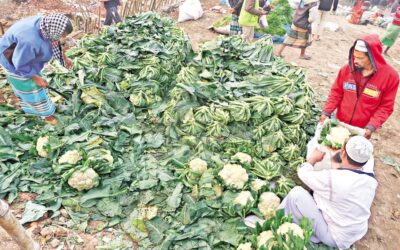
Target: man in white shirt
342 197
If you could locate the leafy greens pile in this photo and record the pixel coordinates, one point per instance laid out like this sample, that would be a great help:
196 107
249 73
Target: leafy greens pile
142 106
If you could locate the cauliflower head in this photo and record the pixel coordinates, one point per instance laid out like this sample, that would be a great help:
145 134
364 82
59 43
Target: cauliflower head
268 204
198 166
257 184
265 236
245 246
70 157
338 135
287 227
243 198
234 175
41 142
242 157
84 180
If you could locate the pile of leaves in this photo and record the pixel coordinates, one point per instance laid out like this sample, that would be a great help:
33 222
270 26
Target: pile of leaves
141 107
280 16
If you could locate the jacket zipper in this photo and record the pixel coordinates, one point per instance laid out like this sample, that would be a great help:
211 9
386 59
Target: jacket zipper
358 96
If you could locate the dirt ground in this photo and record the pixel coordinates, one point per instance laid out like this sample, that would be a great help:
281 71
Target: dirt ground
328 55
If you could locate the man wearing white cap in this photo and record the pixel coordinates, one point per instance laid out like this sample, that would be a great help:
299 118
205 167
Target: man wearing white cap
364 92
340 205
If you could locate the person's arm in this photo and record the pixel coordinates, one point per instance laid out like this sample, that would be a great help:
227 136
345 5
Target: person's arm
250 7
335 95
386 106
23 57
318 181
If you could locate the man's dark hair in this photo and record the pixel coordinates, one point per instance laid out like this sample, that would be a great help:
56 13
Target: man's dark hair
353 162
68 28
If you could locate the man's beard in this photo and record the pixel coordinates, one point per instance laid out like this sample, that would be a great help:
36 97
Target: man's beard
359 68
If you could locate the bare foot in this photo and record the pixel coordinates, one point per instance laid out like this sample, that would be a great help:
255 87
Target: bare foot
51 120
305 57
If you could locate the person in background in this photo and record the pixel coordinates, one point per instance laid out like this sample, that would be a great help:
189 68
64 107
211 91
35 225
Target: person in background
299 34
112 14
236 7
342 197
393 30
324 7
357 11
24 50
365 89
249 17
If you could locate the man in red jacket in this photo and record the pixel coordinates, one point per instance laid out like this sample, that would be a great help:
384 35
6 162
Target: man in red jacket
365 89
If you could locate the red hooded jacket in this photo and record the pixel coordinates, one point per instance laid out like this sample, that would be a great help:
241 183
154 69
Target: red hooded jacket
373 106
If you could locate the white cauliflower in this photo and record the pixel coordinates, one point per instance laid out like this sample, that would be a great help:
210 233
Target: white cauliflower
337 135
268 204
245 246
198 166
242 157
84 180
41 142
70 157
265 236
243 198
234 175
257 184
294 228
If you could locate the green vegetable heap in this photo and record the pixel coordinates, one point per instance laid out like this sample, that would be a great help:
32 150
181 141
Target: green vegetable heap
173 147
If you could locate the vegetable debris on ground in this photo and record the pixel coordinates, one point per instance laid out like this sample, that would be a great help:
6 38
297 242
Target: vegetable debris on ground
155 137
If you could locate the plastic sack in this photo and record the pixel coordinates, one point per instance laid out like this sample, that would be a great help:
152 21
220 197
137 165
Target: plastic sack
190 10
294 3
327 162
263 21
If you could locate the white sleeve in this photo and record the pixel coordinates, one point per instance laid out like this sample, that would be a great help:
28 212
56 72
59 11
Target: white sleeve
318 181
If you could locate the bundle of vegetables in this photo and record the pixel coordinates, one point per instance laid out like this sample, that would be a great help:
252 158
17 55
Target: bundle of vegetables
280 16
176 155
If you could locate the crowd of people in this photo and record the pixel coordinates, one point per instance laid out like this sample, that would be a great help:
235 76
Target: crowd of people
363 95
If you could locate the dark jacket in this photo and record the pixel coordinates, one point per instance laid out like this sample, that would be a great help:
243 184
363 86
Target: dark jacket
301 15
326 5
111 3
375 104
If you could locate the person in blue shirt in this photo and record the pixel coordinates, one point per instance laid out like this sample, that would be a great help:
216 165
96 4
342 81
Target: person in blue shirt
24 50
112 14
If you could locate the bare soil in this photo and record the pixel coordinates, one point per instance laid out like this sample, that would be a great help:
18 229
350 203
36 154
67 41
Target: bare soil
328 55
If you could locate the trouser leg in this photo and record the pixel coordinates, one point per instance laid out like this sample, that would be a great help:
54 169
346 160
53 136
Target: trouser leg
301 204
116 15
109 18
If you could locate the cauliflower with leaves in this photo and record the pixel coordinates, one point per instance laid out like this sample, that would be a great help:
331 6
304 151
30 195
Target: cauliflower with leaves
234 175
245 246
287 227
264 237
243 198
70 157
338 135
242 157
84 180
198 166
257 184
41 142
268 204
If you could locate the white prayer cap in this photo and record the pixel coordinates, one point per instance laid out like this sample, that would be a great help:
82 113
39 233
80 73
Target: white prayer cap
361 46
359 149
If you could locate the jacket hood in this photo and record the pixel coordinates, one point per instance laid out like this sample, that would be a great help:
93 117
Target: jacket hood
374 47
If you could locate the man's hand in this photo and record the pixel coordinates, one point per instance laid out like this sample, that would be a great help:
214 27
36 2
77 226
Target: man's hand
322 118
315 156
231 10
40 81
368 133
